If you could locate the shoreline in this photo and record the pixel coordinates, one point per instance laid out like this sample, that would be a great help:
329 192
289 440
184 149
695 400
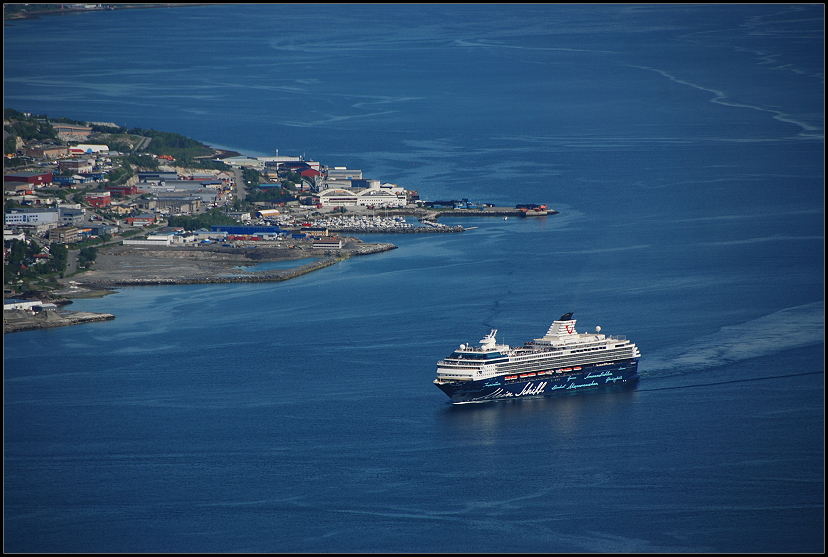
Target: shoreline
206 266
16 321
180 267
24 16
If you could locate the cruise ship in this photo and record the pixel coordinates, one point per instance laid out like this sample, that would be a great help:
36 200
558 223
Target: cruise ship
562 361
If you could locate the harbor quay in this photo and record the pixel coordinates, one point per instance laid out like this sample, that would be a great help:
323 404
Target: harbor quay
493 212
18 320
148 224
395 221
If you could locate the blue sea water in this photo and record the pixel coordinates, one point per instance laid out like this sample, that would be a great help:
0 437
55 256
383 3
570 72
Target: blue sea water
684 149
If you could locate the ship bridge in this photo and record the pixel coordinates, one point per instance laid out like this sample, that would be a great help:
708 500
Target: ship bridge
473 362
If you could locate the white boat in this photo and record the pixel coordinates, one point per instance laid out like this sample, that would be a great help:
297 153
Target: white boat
561 359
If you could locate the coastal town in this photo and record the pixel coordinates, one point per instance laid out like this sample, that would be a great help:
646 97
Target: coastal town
89 205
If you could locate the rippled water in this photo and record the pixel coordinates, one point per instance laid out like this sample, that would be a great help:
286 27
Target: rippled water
683 147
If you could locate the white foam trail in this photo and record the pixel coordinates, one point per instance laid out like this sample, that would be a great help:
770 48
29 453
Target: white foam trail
788 328
720 98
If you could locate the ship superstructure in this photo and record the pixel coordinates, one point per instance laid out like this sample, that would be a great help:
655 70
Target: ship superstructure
562 359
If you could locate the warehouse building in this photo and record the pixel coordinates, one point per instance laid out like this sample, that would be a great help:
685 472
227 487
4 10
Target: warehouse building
34 178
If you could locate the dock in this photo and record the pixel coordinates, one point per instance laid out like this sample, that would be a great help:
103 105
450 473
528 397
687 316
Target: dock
491 212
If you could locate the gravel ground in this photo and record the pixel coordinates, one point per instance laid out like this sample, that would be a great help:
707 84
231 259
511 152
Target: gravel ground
132 262
122 265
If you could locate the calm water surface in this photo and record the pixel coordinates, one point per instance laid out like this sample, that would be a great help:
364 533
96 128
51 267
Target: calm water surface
683 147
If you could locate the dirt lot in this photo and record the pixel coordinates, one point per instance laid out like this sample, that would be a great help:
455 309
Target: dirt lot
130 262
125 265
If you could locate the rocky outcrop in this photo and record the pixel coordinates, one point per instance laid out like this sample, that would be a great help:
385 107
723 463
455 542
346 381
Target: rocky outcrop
19 320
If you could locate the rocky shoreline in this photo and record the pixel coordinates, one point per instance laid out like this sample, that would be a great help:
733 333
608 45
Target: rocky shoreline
122 266
64 9
169 265
212 278
132 265
18 320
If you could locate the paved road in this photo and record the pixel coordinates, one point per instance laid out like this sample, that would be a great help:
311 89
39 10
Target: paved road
241 187
144 143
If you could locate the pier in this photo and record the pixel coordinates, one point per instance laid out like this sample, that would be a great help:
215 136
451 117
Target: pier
491 212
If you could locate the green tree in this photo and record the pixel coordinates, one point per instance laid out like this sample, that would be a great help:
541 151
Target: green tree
120 175
60 256
28 128
18 251
86 256
144 161
251 177
10 145
205 220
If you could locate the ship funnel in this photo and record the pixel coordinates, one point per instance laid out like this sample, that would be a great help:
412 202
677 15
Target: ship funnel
562 328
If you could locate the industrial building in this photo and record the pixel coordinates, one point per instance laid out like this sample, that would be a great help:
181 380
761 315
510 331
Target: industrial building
157 177
65 234
76 165
386 195
46 151
34 178
98 199
241 230
88 149
38 220
333 242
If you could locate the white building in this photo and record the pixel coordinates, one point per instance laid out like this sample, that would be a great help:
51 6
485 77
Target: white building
88 149
391 196
328 243
9 235
338 197
242 216
12 303
156 241
386 195
212 235
32 218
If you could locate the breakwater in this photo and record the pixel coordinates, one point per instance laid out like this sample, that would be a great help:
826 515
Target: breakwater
394 222
266 276
18 320
365 224
491 212
427 229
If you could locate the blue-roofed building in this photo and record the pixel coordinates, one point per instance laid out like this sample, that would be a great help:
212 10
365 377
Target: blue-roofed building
249 230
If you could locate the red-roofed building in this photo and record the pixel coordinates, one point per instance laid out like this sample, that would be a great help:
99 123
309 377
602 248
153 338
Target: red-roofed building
142 220
35 178
99 199
125 190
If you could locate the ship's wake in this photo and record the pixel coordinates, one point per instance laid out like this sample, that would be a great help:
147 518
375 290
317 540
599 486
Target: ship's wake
789 328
